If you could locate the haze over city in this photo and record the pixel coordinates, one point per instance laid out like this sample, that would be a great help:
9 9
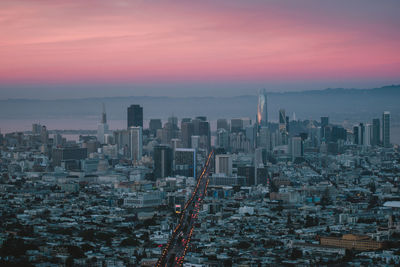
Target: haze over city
209 133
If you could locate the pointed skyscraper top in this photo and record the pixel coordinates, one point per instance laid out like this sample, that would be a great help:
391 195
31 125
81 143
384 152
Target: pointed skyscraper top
103 115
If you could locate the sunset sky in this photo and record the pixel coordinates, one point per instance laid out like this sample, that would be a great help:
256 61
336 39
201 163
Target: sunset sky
161 47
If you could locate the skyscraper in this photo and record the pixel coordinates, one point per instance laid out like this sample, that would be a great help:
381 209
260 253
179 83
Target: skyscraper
223 164
222 124
262 112
282 119
236 125
324 124
296 147
187 129
135 143
386 129
185 162
135 116
376 132
162 161
102 128
367 134
154 125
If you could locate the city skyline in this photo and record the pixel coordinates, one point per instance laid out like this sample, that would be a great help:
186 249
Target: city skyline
199 133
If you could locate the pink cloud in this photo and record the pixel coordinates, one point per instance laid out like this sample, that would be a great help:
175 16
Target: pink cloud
175 41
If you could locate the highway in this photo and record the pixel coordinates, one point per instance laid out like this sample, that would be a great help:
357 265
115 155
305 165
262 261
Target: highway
175 250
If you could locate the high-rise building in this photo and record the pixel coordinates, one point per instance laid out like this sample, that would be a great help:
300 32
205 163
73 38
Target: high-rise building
201 127
68 155
376 132
296 147
264 138
102 128
386 129
236 125
187 130
222 139
135 143
367 135
168 133
248 172
282 120
195 141
174 121
324 125
262 112
162 161
36 129
246 122
44 135
223 164
324 121
135 116
251 135
222 124
356 134
283 131
185 162
154 125
121 138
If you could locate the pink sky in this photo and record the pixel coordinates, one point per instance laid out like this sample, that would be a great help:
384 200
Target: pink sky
172 41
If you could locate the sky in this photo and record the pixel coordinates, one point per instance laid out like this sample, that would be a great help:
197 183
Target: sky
59 49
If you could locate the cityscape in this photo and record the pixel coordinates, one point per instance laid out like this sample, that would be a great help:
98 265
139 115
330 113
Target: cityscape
175 193
199 133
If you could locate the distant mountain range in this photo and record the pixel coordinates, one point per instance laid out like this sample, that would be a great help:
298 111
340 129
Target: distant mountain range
339 104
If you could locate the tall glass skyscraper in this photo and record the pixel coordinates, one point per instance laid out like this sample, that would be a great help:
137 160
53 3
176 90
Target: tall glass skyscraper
262 113
135 116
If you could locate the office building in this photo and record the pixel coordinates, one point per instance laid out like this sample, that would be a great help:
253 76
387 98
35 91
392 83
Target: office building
223 124
187 130
154 125
296 147
135 143
222 139
376 132
386 129
223 164
44 135
36 129
69 156
236 125
262 111
324 124
367 135
135 116
162 161
102 128
185 162
248 172
174 121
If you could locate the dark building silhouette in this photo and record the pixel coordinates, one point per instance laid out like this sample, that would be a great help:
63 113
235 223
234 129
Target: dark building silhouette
187 129
154 125
162 161
222 124
185 162
376 132
248 172
386 129
135 116
68 155
236 125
